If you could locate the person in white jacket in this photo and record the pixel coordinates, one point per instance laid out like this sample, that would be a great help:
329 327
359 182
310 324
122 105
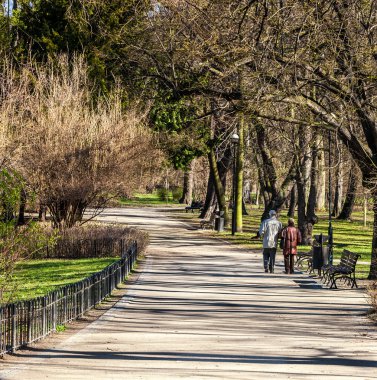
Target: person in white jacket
270 230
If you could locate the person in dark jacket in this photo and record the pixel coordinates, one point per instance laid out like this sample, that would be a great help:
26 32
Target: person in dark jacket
291 238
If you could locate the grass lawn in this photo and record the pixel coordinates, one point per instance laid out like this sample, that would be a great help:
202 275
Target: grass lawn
148 200
347 235
35 278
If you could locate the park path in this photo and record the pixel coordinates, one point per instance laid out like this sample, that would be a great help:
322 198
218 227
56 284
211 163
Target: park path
203 309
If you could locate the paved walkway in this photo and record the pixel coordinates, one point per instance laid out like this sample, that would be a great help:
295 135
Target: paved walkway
203 309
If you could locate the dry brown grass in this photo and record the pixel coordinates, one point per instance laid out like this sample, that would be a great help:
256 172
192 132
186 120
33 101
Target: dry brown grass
94 240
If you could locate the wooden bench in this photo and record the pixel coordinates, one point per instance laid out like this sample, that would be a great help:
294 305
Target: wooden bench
327 269
345 270
308 257
208 222
194 206
304 258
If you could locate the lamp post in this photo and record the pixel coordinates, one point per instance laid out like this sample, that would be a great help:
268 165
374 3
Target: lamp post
330 230
235 140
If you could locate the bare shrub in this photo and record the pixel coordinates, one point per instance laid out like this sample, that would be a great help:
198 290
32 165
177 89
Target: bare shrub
96 241
74 151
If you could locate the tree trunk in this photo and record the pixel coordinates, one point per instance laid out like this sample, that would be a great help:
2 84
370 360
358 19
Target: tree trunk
311 218
21 214
302 178
321 194
210 201
365 210
314 178
211 198
257 195
42 213
306 208
349 202
219 188
338 189
244 209
239 176
292 202
274 197
373 263
188 185
301 208
247 191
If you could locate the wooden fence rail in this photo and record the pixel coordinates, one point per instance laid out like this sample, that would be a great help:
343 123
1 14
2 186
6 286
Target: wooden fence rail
24 322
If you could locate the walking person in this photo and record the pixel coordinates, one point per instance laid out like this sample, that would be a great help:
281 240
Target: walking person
269 230
291 237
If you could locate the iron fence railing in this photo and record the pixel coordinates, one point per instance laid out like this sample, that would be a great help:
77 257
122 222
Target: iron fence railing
24 322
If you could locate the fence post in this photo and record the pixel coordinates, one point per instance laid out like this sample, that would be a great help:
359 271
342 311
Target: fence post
29 314
81 298
65 304
14 327
2 331
54 311
44 311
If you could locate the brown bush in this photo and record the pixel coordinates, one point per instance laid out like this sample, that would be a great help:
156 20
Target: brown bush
95 241
73 152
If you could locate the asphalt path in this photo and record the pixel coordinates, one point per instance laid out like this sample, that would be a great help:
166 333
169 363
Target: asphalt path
200 308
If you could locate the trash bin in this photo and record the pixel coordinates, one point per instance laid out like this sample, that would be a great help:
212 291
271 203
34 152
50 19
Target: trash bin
325 255
321 239
317 257
320 252
219 224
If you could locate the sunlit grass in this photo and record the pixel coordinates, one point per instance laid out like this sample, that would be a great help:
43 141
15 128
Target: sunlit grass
152 199
36 278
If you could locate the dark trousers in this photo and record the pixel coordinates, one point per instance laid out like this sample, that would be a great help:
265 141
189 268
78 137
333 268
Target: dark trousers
289 261
269 258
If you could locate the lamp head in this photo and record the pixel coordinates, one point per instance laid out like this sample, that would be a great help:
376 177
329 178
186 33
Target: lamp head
234 138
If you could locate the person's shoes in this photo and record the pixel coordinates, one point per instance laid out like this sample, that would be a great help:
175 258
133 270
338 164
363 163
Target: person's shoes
266 270
271 271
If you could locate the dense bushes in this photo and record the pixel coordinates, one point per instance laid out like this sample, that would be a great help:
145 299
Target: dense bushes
95 241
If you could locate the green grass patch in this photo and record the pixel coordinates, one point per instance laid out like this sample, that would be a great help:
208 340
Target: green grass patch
153 199
36 278
61 328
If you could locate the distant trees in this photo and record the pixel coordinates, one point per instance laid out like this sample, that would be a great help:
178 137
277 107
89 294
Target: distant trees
283 73
326 51
301 65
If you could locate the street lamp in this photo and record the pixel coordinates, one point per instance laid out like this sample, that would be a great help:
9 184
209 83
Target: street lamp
330 231
234 138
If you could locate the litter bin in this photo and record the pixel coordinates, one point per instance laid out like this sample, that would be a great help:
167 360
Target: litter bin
320 252
317 257
219 224
219 221
325 255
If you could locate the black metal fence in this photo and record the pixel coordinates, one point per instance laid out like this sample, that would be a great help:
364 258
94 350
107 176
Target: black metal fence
25 322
